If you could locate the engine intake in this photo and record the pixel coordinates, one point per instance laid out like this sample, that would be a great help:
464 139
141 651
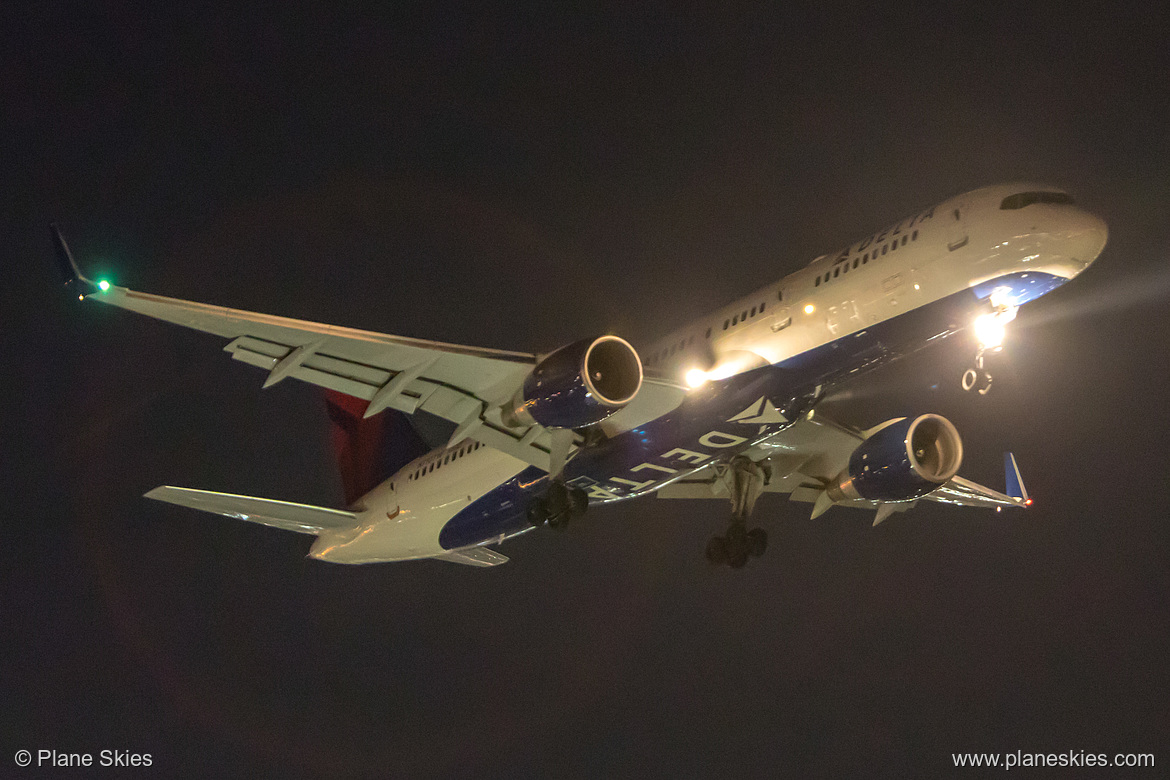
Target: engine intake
579 384
904 460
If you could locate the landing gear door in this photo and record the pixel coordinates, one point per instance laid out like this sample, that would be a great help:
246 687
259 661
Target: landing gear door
956 221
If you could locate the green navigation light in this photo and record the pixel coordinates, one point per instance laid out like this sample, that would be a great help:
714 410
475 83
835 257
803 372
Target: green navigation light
103 285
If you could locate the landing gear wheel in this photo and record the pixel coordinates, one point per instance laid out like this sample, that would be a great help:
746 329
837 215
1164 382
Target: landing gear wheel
537 512
578 501
738 546
757 539
979 381
557 497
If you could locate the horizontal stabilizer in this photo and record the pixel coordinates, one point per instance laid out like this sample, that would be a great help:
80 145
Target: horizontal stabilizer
301 518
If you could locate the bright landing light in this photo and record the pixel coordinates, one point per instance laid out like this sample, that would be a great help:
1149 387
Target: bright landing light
989 330
696 377
809 308
103 285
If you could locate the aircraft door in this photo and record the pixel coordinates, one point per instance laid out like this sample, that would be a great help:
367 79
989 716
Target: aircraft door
781 319
956 221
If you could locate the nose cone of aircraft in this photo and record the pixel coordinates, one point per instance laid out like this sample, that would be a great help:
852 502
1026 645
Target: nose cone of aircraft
1080 239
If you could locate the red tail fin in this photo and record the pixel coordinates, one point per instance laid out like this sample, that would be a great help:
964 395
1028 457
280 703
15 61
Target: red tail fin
369 450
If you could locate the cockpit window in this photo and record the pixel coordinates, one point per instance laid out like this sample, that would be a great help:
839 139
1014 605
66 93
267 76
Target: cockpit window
1019 200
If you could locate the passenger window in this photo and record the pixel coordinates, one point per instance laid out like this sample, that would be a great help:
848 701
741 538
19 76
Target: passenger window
827 275
836 272
726 323
753 311
865 259
761 308
956 215
735 319
884 248
779 295
894 246
708 334
743 316
914 236
818 282
845 268
856 260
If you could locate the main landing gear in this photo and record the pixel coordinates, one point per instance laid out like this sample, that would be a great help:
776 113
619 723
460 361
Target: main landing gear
558 505
745 480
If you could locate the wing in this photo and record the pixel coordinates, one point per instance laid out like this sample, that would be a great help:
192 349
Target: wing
808 455
465 385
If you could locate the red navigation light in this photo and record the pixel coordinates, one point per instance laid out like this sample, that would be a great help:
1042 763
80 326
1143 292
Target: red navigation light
1027 502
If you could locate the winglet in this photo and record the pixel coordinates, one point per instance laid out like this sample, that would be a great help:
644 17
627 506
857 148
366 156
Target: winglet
1013 480
66 265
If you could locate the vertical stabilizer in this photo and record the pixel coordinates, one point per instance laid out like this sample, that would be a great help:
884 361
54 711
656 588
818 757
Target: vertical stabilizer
369 449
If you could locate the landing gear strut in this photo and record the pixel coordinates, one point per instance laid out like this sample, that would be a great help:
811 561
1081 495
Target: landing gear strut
745 480
557 506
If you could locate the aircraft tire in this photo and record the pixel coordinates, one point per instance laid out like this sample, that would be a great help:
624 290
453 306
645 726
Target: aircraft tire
537 512
578 501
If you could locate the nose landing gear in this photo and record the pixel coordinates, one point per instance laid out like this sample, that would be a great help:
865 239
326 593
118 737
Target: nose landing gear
745 480
990 330
977 378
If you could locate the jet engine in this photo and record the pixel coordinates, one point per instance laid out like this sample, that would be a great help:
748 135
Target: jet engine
579 384
902 460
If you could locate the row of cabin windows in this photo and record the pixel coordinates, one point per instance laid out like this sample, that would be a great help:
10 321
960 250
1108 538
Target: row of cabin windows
864 259
450 457
746 315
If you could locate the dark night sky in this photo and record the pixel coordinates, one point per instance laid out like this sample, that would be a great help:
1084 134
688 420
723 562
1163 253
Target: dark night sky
519 181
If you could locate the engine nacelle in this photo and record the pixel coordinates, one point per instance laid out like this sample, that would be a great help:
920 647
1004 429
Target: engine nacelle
902 461
579 384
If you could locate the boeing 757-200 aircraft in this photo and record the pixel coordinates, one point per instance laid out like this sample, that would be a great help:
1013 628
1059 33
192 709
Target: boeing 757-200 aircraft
725 407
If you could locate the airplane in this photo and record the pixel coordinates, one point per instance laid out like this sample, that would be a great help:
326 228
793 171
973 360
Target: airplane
723 408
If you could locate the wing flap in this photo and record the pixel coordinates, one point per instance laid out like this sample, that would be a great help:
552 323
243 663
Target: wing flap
302 518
